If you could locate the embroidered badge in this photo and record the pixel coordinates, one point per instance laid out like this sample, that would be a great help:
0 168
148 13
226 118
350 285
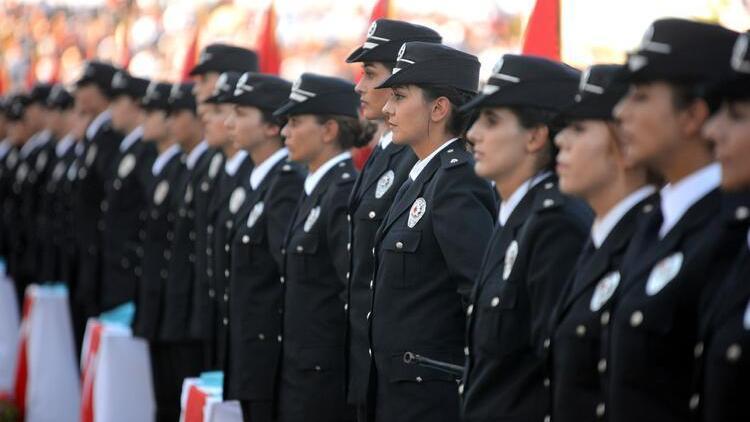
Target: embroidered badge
255 214
237 199
510 259
604 290
160 193
127 164
385 183
417 211
312 218
663 273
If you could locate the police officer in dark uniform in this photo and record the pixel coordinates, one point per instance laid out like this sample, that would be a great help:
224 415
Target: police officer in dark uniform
214 60
323 124
533 248
126 201
159 103
384 172
52 221
674 255
426 255
18 133
187 351
591 166
37 152
95 168
255 294
231 191
722 370
25 133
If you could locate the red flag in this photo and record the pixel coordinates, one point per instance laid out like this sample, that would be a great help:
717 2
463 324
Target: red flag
191 56
381 10
542 36
268 48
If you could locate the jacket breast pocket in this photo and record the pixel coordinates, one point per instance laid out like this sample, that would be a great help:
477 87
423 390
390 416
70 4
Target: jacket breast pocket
304 250
320 360
648 344
400 266
499 328
372 211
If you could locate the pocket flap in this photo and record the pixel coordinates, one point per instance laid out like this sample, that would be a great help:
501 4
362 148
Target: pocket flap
402 241
320 359
307 244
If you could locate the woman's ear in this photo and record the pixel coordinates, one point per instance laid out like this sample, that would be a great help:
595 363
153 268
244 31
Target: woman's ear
330 131
271 130
441 108
694 117
538 138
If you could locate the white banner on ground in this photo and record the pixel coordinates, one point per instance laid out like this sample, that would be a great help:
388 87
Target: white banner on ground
53 391
9 326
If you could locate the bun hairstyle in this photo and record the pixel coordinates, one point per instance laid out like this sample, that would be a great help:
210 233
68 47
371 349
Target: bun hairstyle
353 132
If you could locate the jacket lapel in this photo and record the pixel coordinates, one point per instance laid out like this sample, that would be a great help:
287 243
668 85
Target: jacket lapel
407 199
659 249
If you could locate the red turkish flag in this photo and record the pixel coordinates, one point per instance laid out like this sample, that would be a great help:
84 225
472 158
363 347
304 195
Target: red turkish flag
268 48
191 57
542 36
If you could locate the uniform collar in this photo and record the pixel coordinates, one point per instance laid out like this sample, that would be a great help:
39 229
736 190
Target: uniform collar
164 158
97 123
421 164
196 154
233 164
386 140
508 206
312 180
64 145
38 139
131 139
261 170
677 198
602 227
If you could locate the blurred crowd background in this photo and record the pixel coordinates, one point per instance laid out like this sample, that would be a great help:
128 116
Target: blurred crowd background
49 40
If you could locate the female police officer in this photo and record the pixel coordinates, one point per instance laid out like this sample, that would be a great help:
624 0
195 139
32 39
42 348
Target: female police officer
533 248
323 124
723 370
591 165
429 245
669 261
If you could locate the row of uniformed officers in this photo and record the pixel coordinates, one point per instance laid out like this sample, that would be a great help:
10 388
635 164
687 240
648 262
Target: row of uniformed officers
577 243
